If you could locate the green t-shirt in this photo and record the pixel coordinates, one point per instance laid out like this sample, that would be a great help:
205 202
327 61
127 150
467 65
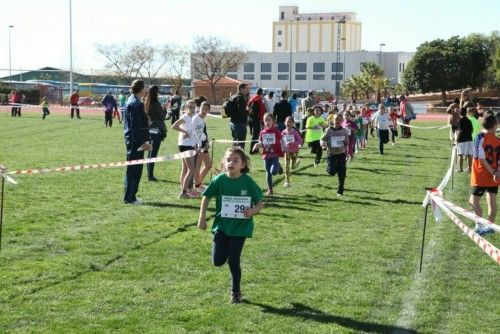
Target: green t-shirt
231 197
314 134
476 127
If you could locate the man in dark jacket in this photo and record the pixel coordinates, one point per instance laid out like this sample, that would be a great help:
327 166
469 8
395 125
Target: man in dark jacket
109 104
282 110
239 116
137 139
256 109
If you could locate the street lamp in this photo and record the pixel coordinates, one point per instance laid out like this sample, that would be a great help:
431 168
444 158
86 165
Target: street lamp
10 62
70 51
380 54
290 66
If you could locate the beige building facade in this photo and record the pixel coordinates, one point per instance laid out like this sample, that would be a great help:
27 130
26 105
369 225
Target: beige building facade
316 32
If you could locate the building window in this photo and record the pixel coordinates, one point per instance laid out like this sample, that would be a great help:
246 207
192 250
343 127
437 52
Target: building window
279 44
279 32
249 67
282 15
318 77
248 76
399 67
265 67
283 67
319 67
337 77
301 67
300 77
337 67
232 76
265 77
403 67
283 76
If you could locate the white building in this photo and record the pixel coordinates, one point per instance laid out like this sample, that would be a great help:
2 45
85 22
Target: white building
315 70
315 32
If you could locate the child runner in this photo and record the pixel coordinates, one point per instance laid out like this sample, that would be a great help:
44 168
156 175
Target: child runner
336 140
314 126
185 127
291 142
45 107
464 141
486 171
393 125
270 141
237 199
201 143
360 134
350 125
381 121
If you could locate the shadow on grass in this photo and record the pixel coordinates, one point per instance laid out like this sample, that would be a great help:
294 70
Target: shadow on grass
385 200
195 206
305 312
93 267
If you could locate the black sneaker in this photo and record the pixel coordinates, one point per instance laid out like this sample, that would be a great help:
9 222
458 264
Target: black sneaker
236 298
152 179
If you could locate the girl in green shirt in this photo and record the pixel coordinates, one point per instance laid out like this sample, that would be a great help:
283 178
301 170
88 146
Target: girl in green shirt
314 130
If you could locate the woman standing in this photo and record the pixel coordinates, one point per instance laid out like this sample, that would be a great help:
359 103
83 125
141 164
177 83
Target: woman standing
156 116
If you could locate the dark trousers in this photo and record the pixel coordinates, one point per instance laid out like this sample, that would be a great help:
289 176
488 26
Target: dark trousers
316 148
394 134
337 165
73 109
156 141
239 133
255 131
133 175
383 138
226 248
272 166
108 118
45 112
175 116
406 131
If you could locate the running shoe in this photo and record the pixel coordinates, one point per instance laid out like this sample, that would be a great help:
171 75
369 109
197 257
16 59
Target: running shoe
236 298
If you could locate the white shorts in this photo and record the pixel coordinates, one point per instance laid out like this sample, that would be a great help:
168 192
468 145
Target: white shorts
465 148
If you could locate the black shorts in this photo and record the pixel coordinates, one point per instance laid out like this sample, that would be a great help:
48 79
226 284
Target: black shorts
183 148
454 128
204 148
479 191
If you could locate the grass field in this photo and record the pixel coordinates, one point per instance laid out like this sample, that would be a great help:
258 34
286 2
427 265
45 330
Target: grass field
76 259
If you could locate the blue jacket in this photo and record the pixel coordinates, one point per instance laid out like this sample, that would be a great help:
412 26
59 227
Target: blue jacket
109 103
135 126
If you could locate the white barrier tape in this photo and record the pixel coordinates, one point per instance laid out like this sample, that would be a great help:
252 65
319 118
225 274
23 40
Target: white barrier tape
230 141
214 115
186 154
468 214
446 178
7 178
487 247
423 127
34 106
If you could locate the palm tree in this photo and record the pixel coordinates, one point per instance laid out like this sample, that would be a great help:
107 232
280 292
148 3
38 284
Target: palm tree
381 84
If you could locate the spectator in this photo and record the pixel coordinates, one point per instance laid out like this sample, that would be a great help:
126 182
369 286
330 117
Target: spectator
269 101
282 110
109 104
157 130
239 116
256 110
74 100
175 106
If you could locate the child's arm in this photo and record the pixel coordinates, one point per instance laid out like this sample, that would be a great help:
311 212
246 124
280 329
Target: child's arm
249 212
202 223
177 126
493 172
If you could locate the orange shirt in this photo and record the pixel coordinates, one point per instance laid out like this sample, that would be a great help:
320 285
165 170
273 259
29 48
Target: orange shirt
486 147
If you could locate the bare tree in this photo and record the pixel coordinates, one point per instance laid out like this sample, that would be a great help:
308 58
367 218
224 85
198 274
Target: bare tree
177 61
212 58
154 61
127 59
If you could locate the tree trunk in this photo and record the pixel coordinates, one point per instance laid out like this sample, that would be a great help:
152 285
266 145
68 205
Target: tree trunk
212 87
378 97
443 97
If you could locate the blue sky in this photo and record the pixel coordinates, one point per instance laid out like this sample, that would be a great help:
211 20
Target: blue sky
40 36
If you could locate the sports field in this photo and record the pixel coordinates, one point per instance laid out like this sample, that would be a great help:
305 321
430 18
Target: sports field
74 258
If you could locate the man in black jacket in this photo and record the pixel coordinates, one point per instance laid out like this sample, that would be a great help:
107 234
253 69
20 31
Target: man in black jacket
282 110
137 139
239 116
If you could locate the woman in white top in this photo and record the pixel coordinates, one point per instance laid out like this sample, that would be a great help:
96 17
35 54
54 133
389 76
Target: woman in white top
382 122
186 142
202 145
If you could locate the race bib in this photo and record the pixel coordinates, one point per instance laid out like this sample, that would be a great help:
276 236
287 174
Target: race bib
233 206
289 139
268 139
337 142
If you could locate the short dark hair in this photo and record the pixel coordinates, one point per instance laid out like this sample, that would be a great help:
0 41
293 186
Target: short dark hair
259 91
271 94
456 100
244 158
199 100
294 95
176 92
284 94
489 121
137 85
242 86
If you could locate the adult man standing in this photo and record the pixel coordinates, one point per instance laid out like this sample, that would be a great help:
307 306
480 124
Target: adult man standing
239 115
137 139
74 100
282 110
256 109
175 106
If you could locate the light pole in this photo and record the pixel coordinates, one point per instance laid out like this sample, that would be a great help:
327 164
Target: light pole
10 57
343 65
380 54
70 51
290 67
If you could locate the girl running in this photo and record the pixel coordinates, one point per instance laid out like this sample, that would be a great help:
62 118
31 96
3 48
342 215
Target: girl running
315 125
45 107
291 142
237 199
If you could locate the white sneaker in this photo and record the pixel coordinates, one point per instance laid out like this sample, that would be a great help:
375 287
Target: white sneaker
137 202
286 185
297 163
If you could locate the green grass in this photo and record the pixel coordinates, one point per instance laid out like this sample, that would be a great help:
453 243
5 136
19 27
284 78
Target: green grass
75 259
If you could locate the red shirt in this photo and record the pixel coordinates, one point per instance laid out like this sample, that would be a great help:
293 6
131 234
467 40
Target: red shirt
74 99
271 143
262 107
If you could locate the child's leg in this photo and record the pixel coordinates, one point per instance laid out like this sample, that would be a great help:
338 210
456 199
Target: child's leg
469 162
220 248
197 169
476 206
331 168
318 151
234 256
461 163
272 167
294 156
288 161
207 166
491 199
341 172
187 170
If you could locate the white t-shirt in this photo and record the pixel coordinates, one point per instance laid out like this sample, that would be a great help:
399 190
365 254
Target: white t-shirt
188 127
269 104
198 134
382 120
